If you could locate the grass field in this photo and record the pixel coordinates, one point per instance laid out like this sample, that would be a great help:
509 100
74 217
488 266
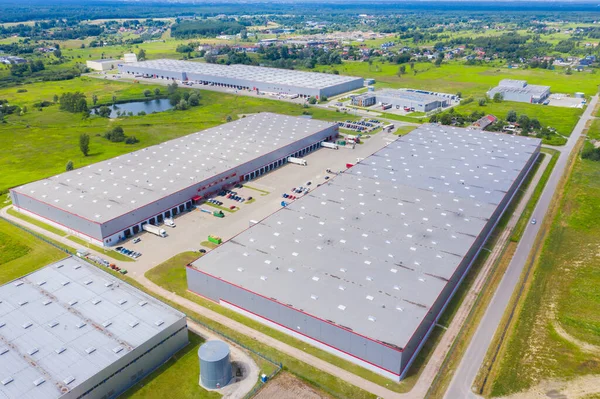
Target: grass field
42 142
177 378
22 253
562 295
171 275
594 130
456 77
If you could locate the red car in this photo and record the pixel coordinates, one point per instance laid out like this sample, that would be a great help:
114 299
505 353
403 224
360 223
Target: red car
232 207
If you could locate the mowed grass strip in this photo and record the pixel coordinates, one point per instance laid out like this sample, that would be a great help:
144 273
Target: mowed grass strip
563 292
21 253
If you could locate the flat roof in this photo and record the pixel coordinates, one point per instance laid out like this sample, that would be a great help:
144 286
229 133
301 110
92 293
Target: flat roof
408 95
66 322
108 189
313 80
513 86
103 60
372 249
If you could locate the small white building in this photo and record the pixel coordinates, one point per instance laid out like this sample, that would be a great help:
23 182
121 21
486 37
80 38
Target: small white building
102 65
129 57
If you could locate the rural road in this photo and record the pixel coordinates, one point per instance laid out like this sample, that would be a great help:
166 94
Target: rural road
460 386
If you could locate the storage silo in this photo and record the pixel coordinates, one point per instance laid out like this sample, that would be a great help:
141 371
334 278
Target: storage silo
215 366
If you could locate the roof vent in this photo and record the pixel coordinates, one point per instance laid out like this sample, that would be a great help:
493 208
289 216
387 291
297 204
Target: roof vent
313 296
2 324
159 323
263 278
118 349
341 307
370 297
106 324
134 323
81 324
77 267
372 318
69 380
96 301
47 302
60 350
53 324
18 283
40 283
87 282
90 350
73 302
65 283
39 381
7 380
122 301
143 303
33 351
27 325
24 302
3 351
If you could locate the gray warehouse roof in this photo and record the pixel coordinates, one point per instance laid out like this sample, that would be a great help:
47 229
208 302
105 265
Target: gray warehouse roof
408 95
64 323
518 86
373 248
111 188
248 72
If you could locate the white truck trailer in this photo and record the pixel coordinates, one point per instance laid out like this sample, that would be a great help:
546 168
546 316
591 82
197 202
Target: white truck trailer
297 161
333 146
154 230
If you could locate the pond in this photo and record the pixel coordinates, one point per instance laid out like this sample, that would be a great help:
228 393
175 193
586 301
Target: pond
148 106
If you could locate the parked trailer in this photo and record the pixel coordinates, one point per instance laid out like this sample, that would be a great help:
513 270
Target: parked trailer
154 230
297 161
333 146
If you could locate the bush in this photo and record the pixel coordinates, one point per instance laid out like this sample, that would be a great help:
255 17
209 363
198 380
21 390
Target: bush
481 102
467 100
141 113
116 135
194 100
22 91
73 102
69 166
104 111
147 93
131 140
312 100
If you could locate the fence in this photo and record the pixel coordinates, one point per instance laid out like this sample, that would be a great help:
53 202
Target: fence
250 394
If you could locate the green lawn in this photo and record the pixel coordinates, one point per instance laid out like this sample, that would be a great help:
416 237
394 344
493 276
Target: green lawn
455 76
37 222
41 142
171 275
564 283
594 130
22 253
177 378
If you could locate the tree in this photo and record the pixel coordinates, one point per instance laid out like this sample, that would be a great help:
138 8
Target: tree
172 88
401 70
481 102
194 100
182 105
524 123
174 99
141 55
312 100
84 144
535 124
36 66
94 99
157 92
104 111
446 119
498 97
55 98
69 166
73 102
114 99
511 116
147 93
229 118
131 140
459 94
57 53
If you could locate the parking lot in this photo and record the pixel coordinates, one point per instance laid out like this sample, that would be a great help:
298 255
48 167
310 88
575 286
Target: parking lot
195 226
564 100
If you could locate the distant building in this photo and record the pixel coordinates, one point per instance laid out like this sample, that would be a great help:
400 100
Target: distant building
102 65
520 91
12 60
416 100
484 122
129 57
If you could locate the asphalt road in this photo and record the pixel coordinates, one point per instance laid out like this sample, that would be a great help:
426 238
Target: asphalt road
460 386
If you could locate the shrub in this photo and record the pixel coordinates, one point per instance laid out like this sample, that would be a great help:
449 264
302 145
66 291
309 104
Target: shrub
131 140
312 100
22 91
69 166
116 135
147 93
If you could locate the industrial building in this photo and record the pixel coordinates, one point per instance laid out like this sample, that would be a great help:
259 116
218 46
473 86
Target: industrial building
520 91
364 265
102 65
246 77
416 100
70 330
109 201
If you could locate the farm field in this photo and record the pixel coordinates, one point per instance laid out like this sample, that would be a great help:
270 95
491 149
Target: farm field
42 142
556 334
470 80
22 253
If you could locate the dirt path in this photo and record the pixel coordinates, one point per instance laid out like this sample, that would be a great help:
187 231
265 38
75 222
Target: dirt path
286 386
578 388
584 346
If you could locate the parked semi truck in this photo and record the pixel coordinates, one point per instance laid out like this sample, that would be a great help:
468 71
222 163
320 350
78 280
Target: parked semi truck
154 230
297 161
333 146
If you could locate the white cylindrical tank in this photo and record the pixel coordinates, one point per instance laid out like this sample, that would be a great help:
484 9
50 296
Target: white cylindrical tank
215 365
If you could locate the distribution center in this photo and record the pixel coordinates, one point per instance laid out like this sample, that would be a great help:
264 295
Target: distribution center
111 200
416 100
272 80
71 330
364 265
520 91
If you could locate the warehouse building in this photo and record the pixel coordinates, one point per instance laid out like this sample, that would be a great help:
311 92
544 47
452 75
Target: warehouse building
70 330
102 65
520 91
365 264
246 77
111 200
416 100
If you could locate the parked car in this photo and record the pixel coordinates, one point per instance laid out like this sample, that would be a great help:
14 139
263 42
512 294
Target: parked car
137 240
